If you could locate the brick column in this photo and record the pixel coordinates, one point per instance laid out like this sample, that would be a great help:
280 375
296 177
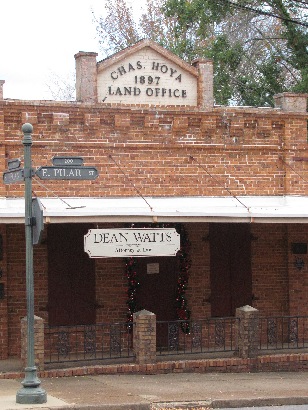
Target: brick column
1 89
248 331
293 102
38 342
3 143
205 83
86 77
4 325
145 337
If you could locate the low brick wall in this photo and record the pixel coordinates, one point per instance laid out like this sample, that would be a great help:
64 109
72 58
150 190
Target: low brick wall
292 362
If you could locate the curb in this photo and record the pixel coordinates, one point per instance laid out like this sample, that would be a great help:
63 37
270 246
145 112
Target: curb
197 405
259 402
200 405
126 406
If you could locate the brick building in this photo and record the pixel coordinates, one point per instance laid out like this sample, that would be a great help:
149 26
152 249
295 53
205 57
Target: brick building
233 180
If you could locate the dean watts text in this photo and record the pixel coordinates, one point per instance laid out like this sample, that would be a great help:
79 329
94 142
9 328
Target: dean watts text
135 237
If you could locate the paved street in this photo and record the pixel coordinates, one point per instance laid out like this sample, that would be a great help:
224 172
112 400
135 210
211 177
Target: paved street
299 407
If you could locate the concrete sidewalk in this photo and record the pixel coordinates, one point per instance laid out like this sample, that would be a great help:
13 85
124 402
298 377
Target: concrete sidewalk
182 390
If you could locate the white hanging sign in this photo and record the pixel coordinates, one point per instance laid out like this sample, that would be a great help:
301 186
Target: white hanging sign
109 243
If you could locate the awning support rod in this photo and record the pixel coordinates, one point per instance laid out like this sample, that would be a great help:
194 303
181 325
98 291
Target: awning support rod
218 182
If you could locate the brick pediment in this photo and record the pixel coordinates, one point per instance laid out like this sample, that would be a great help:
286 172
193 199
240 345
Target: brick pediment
146 73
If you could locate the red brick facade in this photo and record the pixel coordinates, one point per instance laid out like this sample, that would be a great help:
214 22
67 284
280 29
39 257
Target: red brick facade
161 152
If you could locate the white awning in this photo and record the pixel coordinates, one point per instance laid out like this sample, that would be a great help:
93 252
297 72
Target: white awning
260 209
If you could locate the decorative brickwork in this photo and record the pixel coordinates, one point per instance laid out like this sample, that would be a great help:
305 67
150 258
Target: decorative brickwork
248 150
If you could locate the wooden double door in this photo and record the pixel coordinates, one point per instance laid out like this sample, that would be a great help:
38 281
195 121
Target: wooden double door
157 291
230 267
71 276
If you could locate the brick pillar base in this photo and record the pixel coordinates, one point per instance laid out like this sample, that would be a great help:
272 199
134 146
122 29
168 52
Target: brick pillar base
145 337
248 331
38 342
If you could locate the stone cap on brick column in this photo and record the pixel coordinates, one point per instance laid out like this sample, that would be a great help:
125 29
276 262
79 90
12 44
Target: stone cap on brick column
144 312
25 318
293 102
198 61
248 308
1 89
86 76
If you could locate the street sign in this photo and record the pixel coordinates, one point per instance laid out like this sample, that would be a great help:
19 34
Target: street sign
14 175
108 243
13 163
64 172
67 161
38 221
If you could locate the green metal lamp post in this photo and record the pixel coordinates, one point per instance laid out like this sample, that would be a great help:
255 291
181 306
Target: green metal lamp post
31 392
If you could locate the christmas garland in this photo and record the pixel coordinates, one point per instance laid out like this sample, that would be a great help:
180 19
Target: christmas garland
182 311
132 289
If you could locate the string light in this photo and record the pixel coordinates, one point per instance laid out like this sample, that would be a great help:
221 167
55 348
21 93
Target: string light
133 284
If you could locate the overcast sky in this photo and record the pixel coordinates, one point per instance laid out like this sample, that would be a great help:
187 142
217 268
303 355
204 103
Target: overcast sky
39 39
